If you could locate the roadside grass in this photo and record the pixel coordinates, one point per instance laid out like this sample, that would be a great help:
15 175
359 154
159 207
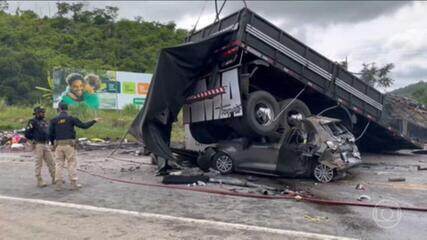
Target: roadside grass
113 125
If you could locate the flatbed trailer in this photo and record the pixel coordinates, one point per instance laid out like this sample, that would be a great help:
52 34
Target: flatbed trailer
292 66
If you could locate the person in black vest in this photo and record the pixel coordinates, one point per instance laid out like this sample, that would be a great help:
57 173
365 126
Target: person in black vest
37 132
63 135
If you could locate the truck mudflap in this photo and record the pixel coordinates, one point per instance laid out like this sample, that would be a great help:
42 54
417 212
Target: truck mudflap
175 75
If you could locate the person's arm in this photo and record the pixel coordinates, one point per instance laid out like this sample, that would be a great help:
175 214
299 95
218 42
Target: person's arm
52 133
84 125
29 130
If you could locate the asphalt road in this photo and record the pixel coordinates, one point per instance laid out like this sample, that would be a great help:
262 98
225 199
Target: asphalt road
22 219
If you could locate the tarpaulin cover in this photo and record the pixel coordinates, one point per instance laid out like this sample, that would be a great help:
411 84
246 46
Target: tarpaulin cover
176 72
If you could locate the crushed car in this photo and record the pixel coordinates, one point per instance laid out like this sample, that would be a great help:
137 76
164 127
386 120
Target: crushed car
316 146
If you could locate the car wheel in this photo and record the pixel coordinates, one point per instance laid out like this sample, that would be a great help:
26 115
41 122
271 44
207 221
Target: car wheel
223 163
260 110
323 173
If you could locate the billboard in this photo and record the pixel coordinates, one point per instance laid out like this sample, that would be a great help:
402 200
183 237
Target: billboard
99 89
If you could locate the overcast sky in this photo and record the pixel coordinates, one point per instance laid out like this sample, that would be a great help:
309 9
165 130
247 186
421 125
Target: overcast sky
361 31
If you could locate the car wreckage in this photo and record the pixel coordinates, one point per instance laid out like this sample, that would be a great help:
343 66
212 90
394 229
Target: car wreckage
246 87
318 147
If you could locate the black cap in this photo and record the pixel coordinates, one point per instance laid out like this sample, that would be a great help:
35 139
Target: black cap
39 109
62 106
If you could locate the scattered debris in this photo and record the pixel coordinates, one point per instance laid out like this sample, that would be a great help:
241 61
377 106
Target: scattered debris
420 152
17 146
191 172
177 173
419 168
171 179
97 140
398 179
316 219
360 187
298 197
240 183
98 143
201 183
14 140
251 178
364 197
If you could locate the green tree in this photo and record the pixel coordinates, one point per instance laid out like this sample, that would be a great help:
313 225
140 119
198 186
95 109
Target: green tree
420 95
76 9
377 76
4 6
63 9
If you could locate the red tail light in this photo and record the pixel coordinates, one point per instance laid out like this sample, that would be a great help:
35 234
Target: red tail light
230 52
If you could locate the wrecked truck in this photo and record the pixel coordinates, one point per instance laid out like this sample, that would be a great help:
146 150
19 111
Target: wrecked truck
242 77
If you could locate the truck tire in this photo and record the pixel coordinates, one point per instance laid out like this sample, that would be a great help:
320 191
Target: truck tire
260 109
297 107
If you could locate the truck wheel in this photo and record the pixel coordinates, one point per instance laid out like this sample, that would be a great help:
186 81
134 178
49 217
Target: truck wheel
260 110
323 173
223 163
297 107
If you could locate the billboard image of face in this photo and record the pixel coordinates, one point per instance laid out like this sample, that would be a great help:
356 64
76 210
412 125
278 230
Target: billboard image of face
100 89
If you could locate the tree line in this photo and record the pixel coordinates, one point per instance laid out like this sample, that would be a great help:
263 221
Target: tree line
74 37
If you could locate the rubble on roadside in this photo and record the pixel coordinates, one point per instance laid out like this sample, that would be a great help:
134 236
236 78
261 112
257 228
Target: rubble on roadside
14 141
103 144
194 177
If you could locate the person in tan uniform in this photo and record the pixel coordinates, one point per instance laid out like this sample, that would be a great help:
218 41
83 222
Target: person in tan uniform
37 132
63 135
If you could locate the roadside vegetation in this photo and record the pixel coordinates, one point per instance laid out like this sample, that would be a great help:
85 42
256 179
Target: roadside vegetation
113 125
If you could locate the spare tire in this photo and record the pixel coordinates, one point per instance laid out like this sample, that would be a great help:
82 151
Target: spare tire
260 110
297 107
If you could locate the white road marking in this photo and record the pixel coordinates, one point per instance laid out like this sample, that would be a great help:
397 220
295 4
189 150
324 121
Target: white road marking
232 226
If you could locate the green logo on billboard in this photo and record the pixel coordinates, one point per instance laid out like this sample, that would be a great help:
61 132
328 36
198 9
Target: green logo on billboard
139 101
113 87
128 88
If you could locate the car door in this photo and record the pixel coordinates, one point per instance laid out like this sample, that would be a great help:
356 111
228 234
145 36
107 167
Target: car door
292 160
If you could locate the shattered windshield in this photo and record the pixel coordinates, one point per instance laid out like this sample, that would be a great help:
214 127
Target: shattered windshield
335 128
